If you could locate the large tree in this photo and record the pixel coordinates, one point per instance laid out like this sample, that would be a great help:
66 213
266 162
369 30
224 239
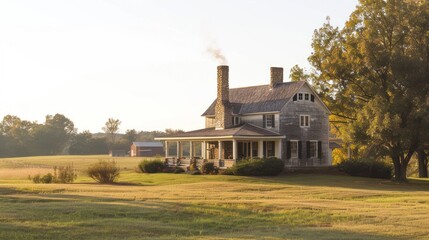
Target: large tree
54 136
374 76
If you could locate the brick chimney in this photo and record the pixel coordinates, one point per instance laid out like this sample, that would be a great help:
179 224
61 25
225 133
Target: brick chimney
223 110
276 76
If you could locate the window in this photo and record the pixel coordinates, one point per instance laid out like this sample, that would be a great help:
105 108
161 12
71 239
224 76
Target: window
236 120
254 149
313 149
293 149
307 97
269 121
303 97
304 120
269 150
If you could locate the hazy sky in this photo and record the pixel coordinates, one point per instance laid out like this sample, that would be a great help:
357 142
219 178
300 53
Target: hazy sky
146 62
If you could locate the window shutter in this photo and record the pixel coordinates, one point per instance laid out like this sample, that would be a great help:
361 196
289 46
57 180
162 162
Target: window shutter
264 124
273 121
295 97
288 153
319 149
300 149
312 97
308 149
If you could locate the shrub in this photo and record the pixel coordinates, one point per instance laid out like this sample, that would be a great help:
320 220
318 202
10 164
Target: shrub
193 165
36 178
366 168
48 178
258 167
65 174
104 171
209 168
151 166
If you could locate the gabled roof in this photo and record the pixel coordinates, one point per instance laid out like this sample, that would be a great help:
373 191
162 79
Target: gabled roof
148 144
259 98
244 130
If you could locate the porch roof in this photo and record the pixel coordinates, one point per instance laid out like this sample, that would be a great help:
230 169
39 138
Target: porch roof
245 130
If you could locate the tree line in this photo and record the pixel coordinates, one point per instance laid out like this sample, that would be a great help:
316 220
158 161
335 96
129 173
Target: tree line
58 135
373 74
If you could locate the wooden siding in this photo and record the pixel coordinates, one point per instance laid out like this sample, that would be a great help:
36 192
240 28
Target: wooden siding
318 130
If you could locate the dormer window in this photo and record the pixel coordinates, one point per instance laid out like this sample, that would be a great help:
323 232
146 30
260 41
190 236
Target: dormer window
303 97
269 121
307 96
236 120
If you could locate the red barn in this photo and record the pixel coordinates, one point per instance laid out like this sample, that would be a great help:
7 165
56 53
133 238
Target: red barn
146 149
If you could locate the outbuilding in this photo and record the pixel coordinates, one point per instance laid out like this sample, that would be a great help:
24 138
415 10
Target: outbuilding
146 149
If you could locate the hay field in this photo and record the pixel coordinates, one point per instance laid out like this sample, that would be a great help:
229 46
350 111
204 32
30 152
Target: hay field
181 206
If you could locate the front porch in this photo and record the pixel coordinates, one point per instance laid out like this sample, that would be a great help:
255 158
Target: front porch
223 153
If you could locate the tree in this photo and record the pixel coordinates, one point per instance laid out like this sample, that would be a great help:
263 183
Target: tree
130 136
373 74
84 143
298 74
111 127
15 134
54 136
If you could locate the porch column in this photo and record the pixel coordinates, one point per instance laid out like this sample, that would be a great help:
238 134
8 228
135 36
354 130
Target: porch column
220 149
234 149
278 149
260 149
166 149
204 150
191 153
178 149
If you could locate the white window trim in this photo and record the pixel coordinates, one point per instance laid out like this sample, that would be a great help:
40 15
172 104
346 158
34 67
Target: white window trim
297 150
272 121
317 150
303 94
300 123
307 95
236 120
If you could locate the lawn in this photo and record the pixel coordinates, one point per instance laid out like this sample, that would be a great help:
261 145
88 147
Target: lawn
181 206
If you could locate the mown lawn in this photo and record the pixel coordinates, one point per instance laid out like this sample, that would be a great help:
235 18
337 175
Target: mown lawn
180 206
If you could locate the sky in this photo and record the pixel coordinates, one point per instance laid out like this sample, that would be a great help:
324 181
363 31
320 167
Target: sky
146 62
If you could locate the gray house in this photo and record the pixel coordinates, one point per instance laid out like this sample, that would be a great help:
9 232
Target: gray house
286 120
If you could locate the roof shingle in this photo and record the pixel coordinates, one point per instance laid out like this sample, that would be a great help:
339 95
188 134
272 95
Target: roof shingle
258 98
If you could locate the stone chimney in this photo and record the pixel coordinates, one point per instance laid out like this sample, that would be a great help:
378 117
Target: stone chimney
276 74
223 110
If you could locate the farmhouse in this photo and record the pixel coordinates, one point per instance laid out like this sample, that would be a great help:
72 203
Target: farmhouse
146 149
286 120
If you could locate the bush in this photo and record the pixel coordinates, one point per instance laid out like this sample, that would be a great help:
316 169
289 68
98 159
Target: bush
209 168
104 171
36 178
65 174
48 178
151 166
366 168
258 167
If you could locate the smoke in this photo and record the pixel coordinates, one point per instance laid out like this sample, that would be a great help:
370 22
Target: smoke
216 53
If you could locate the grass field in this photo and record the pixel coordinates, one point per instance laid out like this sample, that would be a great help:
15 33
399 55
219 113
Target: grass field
181 206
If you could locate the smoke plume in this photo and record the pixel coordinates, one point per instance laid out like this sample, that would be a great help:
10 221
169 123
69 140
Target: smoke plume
216 53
